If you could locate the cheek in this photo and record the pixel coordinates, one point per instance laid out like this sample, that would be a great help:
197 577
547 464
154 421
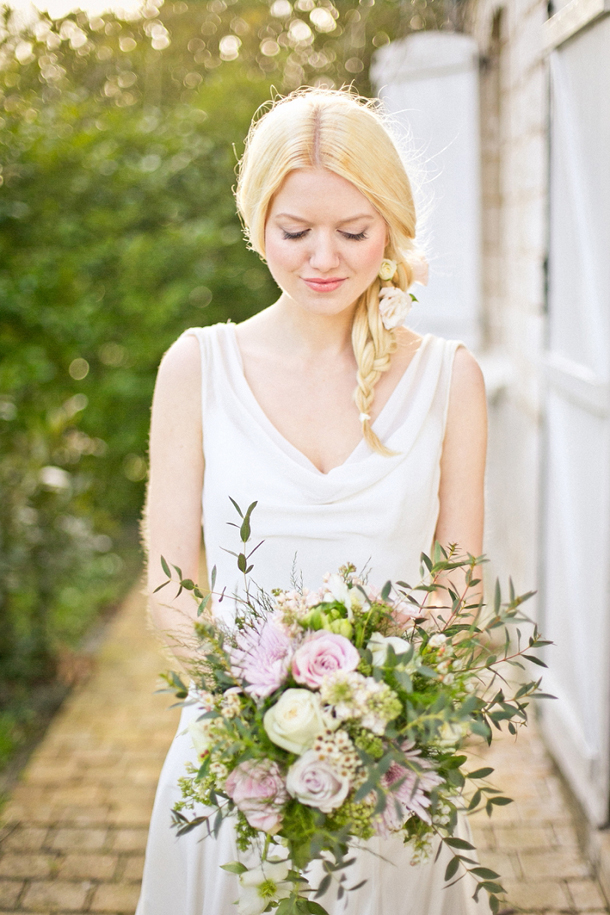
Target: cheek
370 257
280 255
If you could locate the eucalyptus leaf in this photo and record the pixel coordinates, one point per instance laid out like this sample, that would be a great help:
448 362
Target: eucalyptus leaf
237 508
235 867
451 868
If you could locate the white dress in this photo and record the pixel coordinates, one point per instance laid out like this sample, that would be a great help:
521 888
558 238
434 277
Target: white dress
376 512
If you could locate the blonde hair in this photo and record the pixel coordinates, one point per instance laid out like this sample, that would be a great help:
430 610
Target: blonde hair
336 130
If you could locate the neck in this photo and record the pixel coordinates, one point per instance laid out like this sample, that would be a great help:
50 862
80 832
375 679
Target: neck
309 333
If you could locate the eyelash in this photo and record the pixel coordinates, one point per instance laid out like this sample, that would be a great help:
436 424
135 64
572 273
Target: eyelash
296 235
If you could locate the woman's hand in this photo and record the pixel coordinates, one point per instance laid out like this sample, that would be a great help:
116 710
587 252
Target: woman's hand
173 508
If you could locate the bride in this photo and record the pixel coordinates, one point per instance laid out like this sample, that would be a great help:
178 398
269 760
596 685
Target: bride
361 440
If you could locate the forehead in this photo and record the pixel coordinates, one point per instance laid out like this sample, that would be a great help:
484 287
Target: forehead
317 191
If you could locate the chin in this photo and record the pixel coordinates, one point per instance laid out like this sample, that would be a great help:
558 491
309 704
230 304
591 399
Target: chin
322 303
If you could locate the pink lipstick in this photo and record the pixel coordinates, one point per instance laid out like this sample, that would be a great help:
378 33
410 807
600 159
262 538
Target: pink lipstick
320 285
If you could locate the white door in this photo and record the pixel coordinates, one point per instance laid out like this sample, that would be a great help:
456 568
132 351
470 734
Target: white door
575 576
429 83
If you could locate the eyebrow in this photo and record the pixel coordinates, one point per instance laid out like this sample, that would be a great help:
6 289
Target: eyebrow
340 223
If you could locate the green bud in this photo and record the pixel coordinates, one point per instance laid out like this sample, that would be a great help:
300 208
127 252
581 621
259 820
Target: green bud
342 627
312 620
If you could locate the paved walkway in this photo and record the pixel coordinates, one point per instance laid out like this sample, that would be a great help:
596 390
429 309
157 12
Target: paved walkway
73 835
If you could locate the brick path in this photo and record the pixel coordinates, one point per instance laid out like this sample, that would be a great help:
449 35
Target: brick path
73 835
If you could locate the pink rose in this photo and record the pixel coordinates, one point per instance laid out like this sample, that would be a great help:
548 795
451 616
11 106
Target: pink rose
257 788
314 782
321 654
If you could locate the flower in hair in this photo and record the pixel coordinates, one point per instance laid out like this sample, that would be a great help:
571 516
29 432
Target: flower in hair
394 306
387 269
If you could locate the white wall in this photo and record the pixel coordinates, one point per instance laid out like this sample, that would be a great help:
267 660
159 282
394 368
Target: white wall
429 84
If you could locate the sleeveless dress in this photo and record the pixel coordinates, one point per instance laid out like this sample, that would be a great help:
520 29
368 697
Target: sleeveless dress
376 512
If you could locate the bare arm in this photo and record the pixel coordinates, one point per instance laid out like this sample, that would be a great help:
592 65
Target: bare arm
173 510
461 491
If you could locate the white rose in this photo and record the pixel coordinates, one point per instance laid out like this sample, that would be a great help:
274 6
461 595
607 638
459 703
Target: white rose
387 269
259 885
313 782
295 720
394 306
378 646
200 735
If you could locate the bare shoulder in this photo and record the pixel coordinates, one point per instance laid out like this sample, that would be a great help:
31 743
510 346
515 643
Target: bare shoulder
181 362
179 373
177 395
467 382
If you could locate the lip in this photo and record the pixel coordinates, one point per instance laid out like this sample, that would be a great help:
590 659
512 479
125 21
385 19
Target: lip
321 285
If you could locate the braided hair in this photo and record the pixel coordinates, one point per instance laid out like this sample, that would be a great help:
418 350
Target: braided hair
338 131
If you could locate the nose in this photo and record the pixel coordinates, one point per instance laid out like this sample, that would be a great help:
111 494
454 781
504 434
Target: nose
324 255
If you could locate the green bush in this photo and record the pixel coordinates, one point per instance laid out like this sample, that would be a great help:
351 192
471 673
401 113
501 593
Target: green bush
114 237
118 146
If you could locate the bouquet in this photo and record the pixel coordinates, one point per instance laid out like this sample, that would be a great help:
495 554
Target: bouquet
332 716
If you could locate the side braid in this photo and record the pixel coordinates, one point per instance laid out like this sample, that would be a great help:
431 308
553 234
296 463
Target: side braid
373 347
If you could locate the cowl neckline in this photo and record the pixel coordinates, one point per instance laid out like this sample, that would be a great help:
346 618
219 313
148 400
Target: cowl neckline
382 425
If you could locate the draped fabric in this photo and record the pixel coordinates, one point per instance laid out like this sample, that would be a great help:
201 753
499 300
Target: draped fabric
377 512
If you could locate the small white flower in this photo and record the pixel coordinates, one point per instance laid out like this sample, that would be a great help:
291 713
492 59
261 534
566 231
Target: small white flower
437 640
394 306
219 770
205 699
337 590
387 269
200 735
345 691
378 646
231 703
450 735
260 885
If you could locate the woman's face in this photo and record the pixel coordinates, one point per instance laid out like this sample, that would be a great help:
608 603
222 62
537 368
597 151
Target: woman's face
324 241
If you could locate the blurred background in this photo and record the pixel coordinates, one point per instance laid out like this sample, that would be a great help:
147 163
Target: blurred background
119 134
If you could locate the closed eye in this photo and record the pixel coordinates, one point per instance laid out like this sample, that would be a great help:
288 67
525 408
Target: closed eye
350 235
295 234
353 237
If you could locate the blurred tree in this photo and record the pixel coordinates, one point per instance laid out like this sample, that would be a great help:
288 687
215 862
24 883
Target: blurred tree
118 143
